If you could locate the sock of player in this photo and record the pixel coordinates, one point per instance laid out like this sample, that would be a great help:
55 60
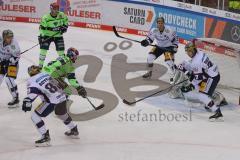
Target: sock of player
67 120
39 123
150 61
207 101
42 57
12 86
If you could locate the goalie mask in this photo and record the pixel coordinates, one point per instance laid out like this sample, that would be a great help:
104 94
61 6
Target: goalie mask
190 49
33 70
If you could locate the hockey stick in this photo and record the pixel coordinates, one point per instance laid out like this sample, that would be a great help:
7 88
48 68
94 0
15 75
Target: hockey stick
130 39
95 108
39 43
166 89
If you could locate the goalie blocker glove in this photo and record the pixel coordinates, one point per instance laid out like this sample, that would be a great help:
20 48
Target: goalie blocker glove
27 104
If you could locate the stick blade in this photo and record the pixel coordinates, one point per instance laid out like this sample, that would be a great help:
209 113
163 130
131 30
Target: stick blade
127 102
100 107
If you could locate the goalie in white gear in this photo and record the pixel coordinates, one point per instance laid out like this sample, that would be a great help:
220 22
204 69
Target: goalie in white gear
204 77
9 57
53 99
167 44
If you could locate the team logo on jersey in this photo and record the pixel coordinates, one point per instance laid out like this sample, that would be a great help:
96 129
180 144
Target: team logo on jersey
235 33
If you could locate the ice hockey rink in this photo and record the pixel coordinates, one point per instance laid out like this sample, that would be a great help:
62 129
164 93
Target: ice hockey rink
108 134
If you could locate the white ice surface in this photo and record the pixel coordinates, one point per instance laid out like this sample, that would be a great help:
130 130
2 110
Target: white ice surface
107 137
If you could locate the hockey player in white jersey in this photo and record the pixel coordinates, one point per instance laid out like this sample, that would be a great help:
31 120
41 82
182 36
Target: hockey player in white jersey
9 57
167 44
53 99
204 77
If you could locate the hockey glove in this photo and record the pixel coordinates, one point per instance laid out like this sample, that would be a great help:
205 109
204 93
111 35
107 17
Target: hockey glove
27 104
13 60
57 29
41 39
175 48
144 43
63 29
82 91
187 88
190 76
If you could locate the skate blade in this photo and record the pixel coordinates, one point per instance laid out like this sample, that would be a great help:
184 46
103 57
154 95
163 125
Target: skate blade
45 144
147 78
74 137
220 119
13 106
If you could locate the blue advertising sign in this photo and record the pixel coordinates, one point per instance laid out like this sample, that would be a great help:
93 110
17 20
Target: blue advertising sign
187 25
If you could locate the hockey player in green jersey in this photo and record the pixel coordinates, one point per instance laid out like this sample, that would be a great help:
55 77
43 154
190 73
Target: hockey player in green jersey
63 68
51 28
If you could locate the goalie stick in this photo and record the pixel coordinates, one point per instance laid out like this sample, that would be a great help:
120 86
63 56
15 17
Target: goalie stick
134 40
95 108
166 89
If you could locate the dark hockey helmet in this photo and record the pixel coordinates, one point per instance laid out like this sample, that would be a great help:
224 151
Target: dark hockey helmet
54 6
72 53
33 70
7 33
160 19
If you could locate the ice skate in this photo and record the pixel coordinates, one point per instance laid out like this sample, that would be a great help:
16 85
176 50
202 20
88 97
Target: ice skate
73 133
44 141
148 75
217 116
14 103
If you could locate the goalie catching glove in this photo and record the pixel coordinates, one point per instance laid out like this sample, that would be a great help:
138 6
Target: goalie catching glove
27 104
